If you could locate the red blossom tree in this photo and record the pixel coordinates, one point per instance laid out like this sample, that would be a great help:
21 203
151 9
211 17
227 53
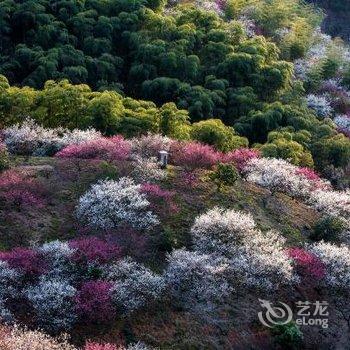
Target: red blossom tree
94 303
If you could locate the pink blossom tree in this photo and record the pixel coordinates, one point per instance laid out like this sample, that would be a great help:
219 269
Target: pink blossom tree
240 157
307 264
194 155
94 250
111 149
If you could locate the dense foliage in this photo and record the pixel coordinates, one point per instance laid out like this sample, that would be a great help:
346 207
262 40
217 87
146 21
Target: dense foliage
228 61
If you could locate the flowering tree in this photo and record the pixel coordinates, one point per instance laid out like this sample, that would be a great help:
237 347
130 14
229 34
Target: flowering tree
94 250
279 175
109 204
97 346
19 189
336 261
194 278
334 203
147 170
57 257
255 259
77 136
148 146
25 260
320 105
9 278
27 138
194 155
220 231
94 302
9 281
30 138
240 157
160 198
307 263
134 284
343 123
110 149
16 338
52 300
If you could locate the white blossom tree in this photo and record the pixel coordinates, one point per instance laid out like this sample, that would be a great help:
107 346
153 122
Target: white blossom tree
255 259
9 280
57 255
220 231
52 300
134 284
279 175
334 203
320 105
336 260
109 204
194 278
29 138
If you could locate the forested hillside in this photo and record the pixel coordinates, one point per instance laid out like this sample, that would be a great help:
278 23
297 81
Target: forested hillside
232 63
173 175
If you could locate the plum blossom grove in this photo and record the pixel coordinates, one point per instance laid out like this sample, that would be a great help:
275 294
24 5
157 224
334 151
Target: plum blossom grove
166 166
91 280
64 292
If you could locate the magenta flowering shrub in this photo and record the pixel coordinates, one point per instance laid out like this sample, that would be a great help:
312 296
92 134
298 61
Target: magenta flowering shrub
240 157
194 155
26 260
22 198
307 264
310 174
19 189
160 198
94 250
94 302
111 149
